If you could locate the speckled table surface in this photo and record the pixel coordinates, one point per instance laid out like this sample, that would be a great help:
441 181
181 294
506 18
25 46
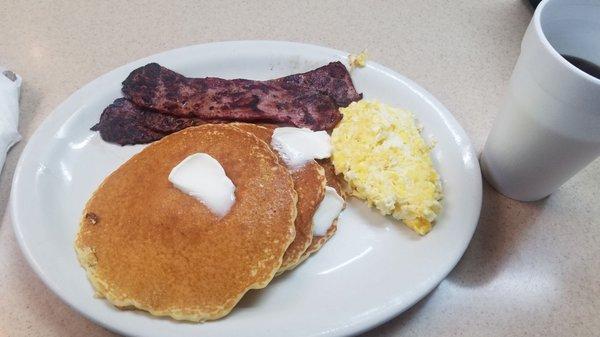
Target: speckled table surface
532 269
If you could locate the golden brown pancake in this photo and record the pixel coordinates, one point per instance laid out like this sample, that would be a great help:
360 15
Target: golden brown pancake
146 244
309 183
332 181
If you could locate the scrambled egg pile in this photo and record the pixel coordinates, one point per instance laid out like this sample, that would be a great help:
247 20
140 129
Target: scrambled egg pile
381 154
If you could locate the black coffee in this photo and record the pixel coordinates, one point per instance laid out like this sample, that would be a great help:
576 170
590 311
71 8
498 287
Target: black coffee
585 65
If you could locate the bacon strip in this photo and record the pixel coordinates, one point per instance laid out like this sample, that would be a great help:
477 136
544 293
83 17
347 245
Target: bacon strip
161 101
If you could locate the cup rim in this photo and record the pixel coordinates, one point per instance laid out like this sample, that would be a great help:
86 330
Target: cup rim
555 54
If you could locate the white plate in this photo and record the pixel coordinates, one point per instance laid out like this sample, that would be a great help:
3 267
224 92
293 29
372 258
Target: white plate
372 269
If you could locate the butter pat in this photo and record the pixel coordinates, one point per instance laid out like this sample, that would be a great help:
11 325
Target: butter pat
297 146
202 177
329 209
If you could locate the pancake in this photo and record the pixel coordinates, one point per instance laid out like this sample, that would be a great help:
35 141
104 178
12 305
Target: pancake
309 183
337 183
147 245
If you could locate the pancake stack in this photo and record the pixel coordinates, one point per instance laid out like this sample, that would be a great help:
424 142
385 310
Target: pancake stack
145 244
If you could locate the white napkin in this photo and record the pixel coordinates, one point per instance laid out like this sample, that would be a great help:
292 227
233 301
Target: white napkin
10 88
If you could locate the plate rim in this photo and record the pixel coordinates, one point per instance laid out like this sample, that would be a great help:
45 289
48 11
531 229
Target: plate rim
365 323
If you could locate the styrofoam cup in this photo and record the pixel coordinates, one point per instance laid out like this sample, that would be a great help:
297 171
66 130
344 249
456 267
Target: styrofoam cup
549 126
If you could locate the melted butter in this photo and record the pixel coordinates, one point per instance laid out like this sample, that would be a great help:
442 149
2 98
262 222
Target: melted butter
202 177
297 146
329 209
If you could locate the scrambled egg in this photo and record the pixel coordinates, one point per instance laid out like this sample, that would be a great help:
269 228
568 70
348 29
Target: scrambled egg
358 61
381 154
